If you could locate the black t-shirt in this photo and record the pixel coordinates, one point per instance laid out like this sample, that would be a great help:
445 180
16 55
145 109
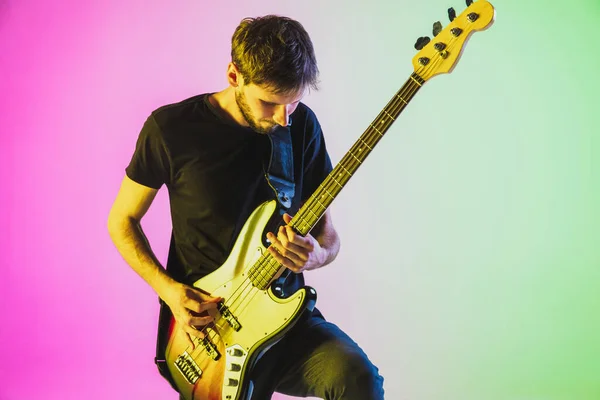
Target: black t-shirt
213 170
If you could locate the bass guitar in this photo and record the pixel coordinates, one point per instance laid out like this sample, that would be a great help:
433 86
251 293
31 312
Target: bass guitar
251 317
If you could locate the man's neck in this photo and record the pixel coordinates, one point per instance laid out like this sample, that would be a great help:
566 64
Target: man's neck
224 102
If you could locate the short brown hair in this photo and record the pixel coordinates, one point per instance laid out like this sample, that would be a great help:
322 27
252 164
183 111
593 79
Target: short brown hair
275 51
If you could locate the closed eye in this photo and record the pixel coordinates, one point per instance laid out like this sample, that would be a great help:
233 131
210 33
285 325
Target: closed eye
269 104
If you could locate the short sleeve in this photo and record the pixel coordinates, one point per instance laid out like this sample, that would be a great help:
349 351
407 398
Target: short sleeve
317 164
150 163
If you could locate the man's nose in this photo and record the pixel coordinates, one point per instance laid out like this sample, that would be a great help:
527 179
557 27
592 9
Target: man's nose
282 116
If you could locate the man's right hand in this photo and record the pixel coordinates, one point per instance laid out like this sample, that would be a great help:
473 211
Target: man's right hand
192 308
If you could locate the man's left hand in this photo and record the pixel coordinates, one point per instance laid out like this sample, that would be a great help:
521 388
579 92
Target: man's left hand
295 252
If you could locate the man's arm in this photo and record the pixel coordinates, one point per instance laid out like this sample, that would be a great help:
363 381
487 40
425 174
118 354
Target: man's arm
324 232
186 303
131 204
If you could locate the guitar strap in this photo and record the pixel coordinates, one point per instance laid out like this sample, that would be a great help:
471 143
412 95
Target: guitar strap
280 171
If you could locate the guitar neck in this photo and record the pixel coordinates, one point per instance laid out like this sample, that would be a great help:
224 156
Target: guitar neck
314 208
267 268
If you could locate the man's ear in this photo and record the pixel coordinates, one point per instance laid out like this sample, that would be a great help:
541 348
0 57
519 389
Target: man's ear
234 77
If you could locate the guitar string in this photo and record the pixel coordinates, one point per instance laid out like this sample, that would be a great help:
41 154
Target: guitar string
397 102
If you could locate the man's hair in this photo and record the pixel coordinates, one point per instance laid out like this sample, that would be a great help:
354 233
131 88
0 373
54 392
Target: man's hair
275 52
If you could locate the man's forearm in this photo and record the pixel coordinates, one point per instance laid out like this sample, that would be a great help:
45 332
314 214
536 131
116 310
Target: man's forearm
330 241
131 242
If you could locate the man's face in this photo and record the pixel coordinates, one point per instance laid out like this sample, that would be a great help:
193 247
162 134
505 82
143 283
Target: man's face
263 109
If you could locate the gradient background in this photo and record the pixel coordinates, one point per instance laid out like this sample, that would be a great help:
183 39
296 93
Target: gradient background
469 266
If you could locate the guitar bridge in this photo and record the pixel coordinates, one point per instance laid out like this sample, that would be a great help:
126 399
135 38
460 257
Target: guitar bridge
229 317
211 348
188 368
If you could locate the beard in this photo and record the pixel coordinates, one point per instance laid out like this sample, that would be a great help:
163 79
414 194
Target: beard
240 99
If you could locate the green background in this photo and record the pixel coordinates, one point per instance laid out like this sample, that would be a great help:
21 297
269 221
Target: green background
472 231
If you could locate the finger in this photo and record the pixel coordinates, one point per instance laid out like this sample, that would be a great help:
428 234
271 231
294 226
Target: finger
200 321
284 235
199 306
201 295
292 246
304 242
209 305
193 332
271 237
287 218
289 250
286 262
193 305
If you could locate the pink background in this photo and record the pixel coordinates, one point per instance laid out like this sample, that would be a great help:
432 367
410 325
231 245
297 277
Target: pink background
77 81
469 260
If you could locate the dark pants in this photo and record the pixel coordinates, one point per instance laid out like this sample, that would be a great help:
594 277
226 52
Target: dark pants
317 359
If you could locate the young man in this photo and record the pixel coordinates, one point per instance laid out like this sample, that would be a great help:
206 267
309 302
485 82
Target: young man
210 152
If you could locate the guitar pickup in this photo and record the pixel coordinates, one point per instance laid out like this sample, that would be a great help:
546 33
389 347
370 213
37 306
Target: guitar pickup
211 348
188 368
229 317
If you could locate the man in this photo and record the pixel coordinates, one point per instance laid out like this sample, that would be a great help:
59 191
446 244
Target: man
210 151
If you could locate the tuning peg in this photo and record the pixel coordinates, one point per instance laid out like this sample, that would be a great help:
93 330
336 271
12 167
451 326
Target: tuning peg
437 28
451 14
469 2
422 42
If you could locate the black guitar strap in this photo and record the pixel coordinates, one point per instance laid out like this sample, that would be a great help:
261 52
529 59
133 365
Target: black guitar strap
280 171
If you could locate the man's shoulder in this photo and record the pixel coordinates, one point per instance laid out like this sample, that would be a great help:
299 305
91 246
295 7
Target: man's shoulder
305 117
304 111
184 110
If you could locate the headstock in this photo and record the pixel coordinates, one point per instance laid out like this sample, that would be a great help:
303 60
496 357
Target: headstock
440 55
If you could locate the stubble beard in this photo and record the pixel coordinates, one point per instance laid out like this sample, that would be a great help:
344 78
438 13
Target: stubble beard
240 100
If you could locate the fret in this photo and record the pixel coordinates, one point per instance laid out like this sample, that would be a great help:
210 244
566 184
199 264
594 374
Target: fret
321 204
330 195
365 143
350 152
377 130
348 172
405 102
301 218
305 227
335 180
417 82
